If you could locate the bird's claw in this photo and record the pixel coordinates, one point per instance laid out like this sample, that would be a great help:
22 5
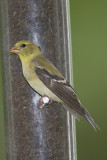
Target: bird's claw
44 101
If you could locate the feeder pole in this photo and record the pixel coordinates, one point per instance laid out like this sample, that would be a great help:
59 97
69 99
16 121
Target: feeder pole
31 133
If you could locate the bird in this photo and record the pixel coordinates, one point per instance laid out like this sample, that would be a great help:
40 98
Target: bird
45 79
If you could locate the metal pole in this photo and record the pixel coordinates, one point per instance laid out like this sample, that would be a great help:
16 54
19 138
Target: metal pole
31 133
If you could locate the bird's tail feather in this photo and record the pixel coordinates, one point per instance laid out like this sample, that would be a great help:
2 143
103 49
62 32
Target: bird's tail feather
75 114
88 117
85 114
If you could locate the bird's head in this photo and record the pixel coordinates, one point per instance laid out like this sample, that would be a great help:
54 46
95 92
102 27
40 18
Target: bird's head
25 49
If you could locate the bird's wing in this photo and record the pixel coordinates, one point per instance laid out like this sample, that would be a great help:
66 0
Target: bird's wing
63 90
43 62
60 88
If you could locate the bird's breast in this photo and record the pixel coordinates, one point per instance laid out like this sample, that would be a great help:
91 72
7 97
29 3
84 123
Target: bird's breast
36 83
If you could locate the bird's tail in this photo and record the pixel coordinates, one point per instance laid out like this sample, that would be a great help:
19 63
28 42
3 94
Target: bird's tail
88 117
84 114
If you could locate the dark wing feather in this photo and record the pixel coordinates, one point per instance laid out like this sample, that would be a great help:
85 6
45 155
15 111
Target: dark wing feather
65 92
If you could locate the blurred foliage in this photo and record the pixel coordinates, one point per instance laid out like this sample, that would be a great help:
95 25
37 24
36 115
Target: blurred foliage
89 47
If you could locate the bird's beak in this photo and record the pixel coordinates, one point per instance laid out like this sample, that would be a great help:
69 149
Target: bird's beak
15 50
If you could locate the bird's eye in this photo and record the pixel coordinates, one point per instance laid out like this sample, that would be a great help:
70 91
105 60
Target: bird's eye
23 45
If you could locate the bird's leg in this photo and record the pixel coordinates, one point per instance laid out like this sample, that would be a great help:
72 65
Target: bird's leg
50 102
44 100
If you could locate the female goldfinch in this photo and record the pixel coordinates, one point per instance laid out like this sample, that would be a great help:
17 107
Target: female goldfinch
45 79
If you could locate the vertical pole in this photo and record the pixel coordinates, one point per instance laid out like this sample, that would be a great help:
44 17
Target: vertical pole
46 134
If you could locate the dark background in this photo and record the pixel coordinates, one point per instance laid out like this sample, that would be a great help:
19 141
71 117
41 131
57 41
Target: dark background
89 46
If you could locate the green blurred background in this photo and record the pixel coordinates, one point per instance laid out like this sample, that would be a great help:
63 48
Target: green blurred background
89 46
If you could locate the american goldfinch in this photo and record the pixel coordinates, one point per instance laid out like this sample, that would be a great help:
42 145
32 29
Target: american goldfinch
45 79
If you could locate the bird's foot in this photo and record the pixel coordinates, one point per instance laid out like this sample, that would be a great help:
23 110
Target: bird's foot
44 101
